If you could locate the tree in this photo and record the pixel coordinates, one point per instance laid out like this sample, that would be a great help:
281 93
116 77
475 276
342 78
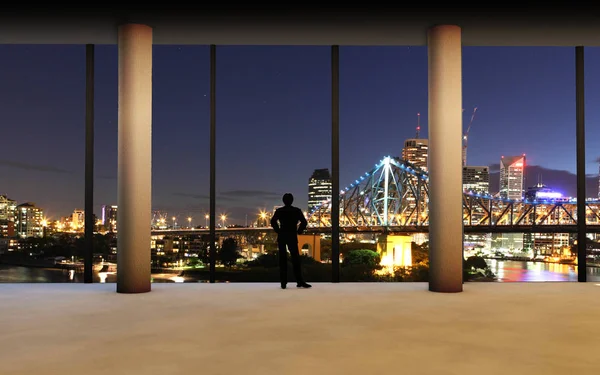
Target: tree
347 247
204 252
267 260
362 257
325 249
194 262
228 253
420 253
102 245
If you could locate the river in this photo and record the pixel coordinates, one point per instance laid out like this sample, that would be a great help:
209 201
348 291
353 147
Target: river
506 271
17 274
513 271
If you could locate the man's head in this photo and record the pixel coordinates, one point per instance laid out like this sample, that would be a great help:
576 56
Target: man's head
288 199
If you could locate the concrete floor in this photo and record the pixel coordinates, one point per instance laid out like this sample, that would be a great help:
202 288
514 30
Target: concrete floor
379 328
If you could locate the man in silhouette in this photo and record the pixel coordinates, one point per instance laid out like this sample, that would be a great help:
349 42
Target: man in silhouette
285 222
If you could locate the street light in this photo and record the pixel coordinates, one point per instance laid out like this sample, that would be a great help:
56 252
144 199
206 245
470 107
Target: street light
190 222
206 217
223 217
173 222
263 216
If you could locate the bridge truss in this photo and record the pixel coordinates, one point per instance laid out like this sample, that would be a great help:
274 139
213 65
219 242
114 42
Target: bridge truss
395 195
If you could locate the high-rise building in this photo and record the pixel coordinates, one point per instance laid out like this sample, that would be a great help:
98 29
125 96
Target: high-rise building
109 217
78 219
545 243
7 228
512 177
476 179
29 220
319 188
416 151
512 180
8 208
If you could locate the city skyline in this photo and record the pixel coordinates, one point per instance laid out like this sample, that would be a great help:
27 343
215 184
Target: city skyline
525 94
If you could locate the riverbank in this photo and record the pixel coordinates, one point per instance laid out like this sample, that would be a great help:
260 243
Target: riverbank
524 259
31 270
28 262
25 262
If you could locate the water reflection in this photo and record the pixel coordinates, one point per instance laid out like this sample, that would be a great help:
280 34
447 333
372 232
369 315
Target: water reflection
512 271
506 271
103 276
14 274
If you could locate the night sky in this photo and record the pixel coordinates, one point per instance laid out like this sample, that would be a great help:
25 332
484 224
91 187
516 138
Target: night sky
273 120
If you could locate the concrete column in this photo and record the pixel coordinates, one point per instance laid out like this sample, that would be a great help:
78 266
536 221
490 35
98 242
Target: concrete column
135 158
445 159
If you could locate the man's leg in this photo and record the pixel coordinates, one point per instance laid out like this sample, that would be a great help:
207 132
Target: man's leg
296 262
282 264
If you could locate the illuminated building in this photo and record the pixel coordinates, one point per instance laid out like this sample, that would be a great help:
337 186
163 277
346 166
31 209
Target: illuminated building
78 219
319 188
29 220
416 151
544 243
7 228
512 177
541 192
476 179
109 217
8 208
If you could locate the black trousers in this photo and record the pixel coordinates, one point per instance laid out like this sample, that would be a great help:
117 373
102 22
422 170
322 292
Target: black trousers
292 246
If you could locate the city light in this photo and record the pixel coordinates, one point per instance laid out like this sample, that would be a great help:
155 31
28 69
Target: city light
549 195
375 206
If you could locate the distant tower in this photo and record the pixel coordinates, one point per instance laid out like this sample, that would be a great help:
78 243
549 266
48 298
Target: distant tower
512 176
418 125
512 181
319 188
109 217
416 149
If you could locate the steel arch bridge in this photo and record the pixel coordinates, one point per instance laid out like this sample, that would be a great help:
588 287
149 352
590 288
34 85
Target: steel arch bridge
394 197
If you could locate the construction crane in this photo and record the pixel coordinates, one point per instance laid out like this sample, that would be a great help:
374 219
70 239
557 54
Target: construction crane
466 138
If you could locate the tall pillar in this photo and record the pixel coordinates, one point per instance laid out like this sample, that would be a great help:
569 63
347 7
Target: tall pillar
135 159
445 159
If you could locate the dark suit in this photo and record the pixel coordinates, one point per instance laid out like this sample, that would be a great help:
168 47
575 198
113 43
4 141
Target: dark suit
285 222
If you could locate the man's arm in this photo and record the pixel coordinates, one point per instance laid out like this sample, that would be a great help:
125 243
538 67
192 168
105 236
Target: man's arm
303 222
274 222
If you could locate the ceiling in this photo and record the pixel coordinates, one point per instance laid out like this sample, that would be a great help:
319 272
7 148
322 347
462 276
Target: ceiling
303 26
